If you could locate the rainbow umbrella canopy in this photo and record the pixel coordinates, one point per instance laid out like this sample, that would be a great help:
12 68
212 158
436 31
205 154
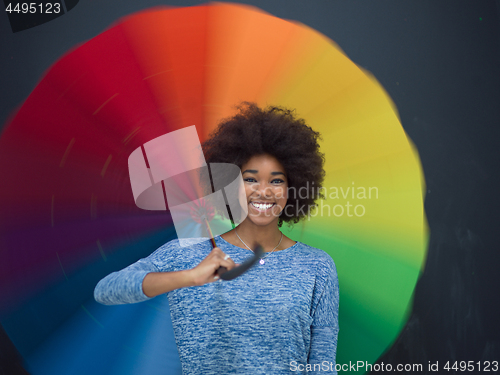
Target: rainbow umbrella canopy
68 215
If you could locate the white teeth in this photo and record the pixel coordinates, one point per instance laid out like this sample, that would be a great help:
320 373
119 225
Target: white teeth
262 206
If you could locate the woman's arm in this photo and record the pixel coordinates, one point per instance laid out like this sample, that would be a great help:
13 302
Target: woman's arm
156 283
323 349
125 286
325 326
144 280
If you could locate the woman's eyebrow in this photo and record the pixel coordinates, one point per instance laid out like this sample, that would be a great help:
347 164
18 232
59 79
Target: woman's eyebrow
255 171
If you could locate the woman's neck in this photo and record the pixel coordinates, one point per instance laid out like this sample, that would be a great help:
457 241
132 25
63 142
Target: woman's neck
267 236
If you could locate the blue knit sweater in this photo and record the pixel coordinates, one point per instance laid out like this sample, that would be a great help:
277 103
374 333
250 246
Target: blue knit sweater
277 318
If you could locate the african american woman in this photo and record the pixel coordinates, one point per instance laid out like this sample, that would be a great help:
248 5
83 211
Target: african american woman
281 316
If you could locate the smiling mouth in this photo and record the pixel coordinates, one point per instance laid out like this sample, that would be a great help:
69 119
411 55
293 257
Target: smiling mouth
262 206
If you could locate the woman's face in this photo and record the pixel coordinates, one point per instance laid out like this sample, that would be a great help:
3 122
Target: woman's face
266 188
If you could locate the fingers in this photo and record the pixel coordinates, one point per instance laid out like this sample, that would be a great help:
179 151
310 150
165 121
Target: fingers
228 263
220 259
223 259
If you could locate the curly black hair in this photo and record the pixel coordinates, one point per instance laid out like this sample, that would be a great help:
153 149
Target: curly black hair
278 132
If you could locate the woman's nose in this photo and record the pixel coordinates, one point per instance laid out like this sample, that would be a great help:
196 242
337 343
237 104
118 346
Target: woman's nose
264 190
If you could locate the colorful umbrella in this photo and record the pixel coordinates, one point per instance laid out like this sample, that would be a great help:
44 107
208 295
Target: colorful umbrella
68 214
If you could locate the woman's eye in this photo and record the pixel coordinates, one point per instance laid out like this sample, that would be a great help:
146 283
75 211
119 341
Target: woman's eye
252 180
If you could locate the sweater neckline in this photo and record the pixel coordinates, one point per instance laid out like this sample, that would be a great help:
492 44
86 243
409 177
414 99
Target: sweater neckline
241 248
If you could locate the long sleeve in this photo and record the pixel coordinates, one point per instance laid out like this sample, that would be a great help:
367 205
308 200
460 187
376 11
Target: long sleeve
325 326
125 286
